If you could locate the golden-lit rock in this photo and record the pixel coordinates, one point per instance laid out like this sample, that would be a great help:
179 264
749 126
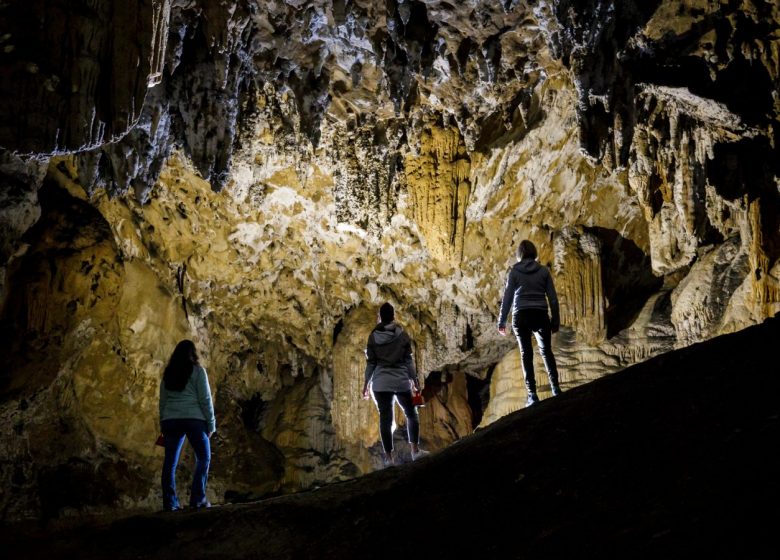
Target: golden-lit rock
438 183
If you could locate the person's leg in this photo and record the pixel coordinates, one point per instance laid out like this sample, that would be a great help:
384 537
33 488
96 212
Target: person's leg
412 419
174 438
543 336
523 334
412 423
384 404
199 439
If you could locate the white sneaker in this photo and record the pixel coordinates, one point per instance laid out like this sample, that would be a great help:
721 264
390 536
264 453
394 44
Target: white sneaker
420 453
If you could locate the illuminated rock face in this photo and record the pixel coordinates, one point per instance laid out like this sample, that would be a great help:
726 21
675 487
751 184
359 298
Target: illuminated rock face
300 163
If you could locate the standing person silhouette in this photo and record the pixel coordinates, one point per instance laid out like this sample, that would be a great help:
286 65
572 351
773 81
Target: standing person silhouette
186 409
529 289
390 375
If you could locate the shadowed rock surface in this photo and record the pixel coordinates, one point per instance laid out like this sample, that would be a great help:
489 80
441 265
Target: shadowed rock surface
675 457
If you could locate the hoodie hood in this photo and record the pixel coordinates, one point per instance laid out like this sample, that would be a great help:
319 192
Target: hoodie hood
527 266
385 334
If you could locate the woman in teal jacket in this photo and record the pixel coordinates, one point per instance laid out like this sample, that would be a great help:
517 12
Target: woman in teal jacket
186 409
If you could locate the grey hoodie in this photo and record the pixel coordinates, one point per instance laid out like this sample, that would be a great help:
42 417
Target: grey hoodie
529 286
389 364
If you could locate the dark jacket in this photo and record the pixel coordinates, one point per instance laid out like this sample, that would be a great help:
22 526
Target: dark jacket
529 286
389 364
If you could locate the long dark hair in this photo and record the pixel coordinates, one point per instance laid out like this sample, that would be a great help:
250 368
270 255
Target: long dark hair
526 250
179 367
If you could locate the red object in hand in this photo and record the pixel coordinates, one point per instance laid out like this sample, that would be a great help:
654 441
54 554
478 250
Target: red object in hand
160 441
417 399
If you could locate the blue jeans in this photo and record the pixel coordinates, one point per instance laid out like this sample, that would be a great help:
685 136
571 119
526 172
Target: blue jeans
384 403
174 431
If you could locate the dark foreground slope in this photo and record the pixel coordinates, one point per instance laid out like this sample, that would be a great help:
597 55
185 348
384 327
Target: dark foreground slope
676 457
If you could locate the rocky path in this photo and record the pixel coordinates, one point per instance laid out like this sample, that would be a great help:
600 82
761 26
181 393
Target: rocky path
675 457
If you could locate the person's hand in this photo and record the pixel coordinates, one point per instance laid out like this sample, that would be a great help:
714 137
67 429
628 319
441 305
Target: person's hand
365 392
502 331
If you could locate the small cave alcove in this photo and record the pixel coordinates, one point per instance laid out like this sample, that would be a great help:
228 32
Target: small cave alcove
627 278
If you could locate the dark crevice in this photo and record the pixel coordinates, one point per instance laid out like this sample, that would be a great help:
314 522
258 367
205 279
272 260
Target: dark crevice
468 339
627 279
181 272
312 99
252 412
746 167
478 395
337 330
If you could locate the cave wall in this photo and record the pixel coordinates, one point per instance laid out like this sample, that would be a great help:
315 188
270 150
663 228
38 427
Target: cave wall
275 171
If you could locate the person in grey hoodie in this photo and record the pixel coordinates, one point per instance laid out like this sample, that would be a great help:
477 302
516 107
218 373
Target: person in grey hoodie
390 375
529 290
186 409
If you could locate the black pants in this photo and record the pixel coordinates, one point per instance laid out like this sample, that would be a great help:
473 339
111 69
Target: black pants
384 403
536 322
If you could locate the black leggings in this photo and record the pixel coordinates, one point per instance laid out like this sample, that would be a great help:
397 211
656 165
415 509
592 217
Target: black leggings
384 403
535 321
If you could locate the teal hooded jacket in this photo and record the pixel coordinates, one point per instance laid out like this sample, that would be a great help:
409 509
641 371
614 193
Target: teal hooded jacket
192 402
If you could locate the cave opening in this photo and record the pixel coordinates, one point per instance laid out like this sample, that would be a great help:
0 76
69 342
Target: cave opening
627 278
252 411
746 167
337 328
478 391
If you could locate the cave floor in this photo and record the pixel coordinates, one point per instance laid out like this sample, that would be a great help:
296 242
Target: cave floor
677 456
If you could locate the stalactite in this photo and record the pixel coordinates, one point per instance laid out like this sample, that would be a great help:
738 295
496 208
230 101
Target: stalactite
439 185
765 292
577 270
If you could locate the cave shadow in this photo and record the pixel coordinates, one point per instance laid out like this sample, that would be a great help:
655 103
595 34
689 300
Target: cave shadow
627 279
747 169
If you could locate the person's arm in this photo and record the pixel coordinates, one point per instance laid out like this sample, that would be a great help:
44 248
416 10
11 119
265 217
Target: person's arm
506 303
552 299
370 366
163 399
205 402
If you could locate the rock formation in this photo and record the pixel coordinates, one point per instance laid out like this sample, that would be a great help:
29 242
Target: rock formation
268 174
